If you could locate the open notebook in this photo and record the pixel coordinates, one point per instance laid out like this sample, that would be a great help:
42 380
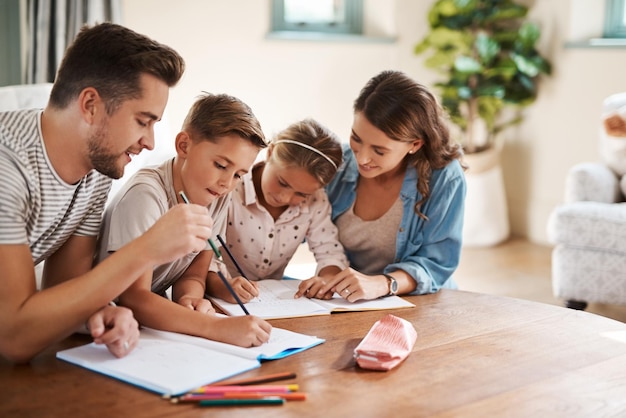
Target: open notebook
171 364
276 301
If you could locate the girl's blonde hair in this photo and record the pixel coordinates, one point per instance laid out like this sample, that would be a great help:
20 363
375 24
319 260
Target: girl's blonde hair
292 147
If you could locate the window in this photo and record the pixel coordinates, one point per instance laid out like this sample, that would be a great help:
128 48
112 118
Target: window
318 16
615 19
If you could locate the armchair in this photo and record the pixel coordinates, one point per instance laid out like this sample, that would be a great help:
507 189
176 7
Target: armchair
589 232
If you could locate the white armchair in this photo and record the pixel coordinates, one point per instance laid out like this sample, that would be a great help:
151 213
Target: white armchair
589 233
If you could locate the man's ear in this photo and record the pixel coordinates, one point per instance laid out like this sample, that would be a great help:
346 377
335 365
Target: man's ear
88 103
182 144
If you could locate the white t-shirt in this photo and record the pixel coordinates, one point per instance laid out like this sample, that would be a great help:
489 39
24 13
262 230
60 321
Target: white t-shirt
37 207
138 205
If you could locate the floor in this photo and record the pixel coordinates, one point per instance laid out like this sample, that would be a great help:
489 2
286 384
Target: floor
515 268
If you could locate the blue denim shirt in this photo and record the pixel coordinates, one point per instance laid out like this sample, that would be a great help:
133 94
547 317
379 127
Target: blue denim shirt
427 250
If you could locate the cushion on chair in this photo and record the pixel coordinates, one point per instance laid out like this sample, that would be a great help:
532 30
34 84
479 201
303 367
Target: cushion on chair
591 182
592 225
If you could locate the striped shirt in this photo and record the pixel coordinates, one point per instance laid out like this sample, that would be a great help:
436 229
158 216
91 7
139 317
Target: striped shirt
37 207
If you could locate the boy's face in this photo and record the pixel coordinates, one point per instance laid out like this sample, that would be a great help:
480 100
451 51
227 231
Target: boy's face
213 169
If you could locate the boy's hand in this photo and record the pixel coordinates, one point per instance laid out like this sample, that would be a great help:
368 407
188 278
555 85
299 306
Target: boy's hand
244 331
115 327
197 304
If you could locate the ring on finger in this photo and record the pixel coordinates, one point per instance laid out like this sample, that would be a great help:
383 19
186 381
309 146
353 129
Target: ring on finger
126 345
346 290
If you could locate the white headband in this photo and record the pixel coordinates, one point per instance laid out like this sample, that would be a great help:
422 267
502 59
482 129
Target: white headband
310 148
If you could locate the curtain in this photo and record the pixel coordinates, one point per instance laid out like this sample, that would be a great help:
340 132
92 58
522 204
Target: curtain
51 25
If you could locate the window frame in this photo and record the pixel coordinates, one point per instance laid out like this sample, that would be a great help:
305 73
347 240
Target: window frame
353 24
614 25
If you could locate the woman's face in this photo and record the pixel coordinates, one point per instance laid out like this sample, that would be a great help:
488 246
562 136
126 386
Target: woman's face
284 185
374 151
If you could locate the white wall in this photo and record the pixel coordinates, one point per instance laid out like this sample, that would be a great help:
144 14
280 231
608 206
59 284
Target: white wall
226 51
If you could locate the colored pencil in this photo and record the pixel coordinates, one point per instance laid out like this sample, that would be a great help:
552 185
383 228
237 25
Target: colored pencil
239 402
248 388
257 380
292 396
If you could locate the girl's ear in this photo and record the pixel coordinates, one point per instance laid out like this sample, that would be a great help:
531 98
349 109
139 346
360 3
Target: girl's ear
268 154
182 144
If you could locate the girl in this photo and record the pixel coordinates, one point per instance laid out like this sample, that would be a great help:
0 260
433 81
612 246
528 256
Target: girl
398 199
280 203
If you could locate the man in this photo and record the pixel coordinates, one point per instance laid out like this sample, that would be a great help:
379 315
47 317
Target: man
56 167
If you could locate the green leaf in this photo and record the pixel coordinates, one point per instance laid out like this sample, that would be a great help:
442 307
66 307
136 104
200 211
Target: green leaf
525 65
528 35
487 48
467 65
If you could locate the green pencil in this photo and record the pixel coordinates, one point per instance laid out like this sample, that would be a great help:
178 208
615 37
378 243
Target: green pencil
239 402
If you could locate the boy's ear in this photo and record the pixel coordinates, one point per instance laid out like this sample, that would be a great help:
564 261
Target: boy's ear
182 144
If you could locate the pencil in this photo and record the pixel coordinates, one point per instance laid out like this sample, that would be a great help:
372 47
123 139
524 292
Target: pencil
219 256
257 380
216 251
232 292
232 257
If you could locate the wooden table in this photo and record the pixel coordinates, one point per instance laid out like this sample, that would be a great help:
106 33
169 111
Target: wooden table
476 356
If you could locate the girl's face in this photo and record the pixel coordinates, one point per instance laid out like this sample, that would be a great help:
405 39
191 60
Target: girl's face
284 185
374 151
210 170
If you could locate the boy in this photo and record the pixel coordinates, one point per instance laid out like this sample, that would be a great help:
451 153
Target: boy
218 143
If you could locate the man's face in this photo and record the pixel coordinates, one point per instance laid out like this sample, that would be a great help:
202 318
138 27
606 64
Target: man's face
130 129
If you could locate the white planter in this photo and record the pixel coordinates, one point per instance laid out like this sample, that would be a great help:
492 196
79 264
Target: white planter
486 220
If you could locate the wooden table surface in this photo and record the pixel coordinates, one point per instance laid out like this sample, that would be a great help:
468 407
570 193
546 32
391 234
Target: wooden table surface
476 356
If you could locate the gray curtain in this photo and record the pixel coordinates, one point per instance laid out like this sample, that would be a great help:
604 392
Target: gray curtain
51 25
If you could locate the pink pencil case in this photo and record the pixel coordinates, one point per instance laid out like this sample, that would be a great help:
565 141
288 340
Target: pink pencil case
387 344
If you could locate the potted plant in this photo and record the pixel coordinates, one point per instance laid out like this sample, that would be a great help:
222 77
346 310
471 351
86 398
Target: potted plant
486 52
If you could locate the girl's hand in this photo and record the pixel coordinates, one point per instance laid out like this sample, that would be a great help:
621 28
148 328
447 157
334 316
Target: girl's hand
197 304
245 289
311 289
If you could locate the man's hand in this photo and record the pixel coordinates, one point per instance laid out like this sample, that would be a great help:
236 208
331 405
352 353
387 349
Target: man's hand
115 327
182 230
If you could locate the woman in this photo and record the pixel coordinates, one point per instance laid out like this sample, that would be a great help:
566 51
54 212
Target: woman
398 199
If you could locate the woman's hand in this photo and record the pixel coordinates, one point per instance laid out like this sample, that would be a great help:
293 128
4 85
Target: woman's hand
349 284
